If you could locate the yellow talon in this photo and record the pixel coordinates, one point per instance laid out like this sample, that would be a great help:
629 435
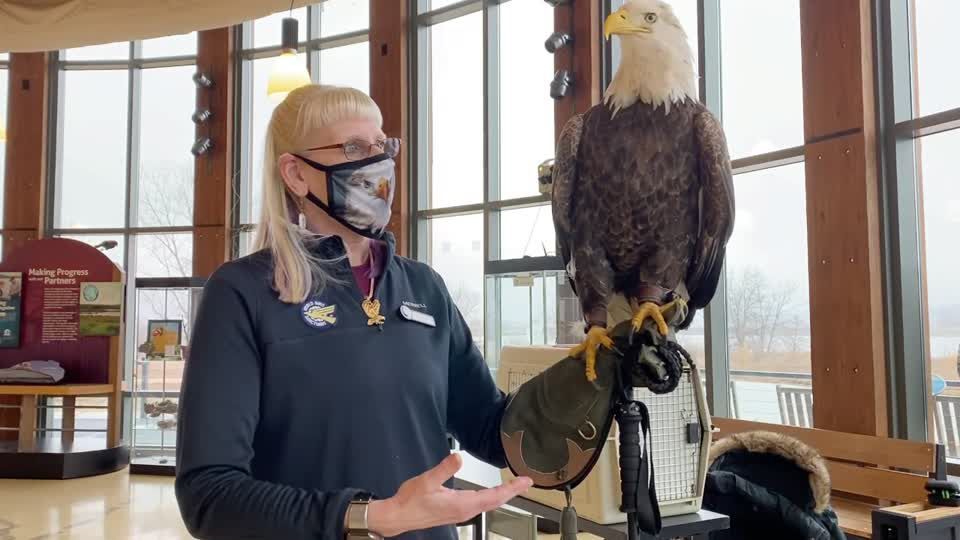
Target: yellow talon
596 338
651 311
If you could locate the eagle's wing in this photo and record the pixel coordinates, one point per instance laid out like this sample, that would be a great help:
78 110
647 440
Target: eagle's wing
564 180
717 210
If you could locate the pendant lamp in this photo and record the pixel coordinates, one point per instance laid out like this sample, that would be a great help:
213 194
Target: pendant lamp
289 72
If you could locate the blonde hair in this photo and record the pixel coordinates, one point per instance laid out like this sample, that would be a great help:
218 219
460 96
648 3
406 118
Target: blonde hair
297 273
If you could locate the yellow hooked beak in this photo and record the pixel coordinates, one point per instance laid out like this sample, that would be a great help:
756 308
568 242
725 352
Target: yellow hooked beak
619 23
383 189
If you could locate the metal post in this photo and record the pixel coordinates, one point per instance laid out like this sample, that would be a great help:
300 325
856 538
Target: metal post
715 315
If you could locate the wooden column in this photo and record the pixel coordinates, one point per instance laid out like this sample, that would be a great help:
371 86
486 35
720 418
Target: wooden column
843 209
25 170
213 171
389 87
582 58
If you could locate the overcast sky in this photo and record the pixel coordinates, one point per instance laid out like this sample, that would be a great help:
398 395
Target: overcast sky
762 111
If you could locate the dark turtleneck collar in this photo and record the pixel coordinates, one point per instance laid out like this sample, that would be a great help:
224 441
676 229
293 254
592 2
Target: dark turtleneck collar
332 247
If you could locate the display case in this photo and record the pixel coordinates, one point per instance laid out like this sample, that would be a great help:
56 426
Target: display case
530 308
157 352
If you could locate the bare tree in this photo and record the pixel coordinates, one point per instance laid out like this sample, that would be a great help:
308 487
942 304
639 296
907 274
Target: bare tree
757 309
165 199
470 304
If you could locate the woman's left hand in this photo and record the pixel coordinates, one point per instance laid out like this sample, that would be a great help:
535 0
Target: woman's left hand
424 502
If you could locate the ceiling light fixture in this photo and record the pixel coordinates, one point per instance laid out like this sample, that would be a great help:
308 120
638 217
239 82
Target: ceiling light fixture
289 72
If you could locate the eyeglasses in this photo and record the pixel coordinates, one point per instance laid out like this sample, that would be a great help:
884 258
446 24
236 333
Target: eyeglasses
355 149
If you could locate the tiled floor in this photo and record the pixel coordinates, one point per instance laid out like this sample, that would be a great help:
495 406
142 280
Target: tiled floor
116 506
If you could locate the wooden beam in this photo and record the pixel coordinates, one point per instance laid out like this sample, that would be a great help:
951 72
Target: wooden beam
25 170
843 210
213 178
580 19
390 88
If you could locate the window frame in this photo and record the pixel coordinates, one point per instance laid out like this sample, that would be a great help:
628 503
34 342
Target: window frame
907 310
492 206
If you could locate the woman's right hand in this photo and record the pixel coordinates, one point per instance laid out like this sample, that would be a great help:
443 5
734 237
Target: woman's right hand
424 502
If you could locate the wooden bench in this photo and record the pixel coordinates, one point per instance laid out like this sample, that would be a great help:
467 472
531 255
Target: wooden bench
796 405
28 397
861 468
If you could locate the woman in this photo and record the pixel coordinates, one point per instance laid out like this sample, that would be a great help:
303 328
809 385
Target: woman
325 370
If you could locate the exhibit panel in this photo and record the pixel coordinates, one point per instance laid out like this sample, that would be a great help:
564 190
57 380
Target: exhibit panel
61 336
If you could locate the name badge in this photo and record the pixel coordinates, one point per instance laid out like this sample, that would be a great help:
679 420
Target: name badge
417 316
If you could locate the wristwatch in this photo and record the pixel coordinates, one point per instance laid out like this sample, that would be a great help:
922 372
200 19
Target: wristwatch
355 522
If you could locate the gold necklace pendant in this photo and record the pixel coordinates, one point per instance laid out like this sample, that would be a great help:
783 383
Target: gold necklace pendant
372 308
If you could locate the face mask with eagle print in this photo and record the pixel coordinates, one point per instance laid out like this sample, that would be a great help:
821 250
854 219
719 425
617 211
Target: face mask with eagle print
360 194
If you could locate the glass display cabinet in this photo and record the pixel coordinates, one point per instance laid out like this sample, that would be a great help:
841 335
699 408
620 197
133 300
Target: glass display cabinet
164 310
530 308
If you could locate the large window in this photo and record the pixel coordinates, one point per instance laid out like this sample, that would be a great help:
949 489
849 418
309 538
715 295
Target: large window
124 170
124 174
767 284
922 198
485 121
334 47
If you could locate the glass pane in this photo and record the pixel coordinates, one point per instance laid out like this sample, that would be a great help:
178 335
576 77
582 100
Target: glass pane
165 192
430 5
527 232
528 310
762 86
343 16
259 120
94 151
4 56
935 35
526 109
115 253
109 51
3 133
346 66
692 339
456 115
181 45
268 31
941 212
164 255
247 239
456 253
768 301
686 11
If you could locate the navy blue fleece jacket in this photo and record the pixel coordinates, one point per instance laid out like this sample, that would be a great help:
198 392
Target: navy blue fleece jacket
287 411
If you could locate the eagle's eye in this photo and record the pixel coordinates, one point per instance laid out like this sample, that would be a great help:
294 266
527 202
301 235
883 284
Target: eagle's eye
650 18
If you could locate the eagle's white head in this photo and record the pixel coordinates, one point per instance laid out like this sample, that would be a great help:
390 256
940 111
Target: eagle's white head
656 65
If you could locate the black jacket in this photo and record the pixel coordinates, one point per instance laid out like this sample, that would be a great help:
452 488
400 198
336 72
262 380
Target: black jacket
287 411
771 486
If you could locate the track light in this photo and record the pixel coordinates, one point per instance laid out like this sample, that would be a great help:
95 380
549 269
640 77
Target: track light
557 41
557 3
288 73
202 146
201 80
201 116
560 86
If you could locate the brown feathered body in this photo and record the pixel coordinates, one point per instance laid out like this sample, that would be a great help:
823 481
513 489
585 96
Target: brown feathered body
643 202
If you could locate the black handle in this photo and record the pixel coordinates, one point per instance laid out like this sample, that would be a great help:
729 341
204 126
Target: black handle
630 457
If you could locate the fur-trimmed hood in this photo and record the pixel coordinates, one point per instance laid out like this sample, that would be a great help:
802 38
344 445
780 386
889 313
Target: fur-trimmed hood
789 448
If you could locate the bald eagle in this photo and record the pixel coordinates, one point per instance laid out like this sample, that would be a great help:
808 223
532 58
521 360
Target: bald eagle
643 201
